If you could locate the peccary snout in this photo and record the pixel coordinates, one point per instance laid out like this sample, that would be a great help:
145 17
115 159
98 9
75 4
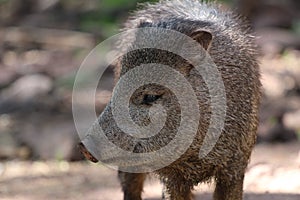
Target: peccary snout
86 153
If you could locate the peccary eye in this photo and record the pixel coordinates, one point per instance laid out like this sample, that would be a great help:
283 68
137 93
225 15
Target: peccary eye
150 98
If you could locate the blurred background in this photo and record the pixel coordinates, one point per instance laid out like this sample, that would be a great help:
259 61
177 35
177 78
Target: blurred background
42 44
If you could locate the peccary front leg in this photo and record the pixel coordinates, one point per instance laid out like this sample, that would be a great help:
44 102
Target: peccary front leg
177 190
132 185
228 188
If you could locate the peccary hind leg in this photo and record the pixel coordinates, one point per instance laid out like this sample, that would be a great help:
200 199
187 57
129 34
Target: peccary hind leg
132 185
229 188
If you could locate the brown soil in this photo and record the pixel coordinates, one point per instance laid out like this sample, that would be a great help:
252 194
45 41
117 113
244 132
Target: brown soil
273 174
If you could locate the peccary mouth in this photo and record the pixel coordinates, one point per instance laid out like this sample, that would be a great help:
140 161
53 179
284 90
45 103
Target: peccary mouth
117 160
86 153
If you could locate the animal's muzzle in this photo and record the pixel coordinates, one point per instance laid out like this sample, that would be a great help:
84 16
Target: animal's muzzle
86 153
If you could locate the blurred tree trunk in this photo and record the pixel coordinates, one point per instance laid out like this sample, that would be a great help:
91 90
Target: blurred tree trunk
271 13
246 7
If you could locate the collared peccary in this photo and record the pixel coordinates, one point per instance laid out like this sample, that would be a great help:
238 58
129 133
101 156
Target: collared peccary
228 41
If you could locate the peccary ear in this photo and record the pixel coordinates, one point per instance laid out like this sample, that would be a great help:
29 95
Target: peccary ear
204 38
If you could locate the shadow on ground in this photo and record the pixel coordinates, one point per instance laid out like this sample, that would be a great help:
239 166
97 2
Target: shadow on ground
251 196
273 174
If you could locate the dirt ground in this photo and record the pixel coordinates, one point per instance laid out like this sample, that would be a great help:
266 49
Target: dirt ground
273 174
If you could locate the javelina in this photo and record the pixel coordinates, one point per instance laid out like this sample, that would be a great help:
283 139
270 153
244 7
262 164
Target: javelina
229 43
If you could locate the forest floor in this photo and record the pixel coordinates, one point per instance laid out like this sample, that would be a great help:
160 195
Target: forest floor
273 174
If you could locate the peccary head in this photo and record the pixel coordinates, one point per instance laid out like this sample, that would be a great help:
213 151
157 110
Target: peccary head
148 118
167 99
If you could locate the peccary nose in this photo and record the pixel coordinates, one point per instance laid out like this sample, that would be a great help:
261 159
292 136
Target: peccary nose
86 153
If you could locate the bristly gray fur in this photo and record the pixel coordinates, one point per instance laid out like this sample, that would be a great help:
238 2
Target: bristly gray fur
233 50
